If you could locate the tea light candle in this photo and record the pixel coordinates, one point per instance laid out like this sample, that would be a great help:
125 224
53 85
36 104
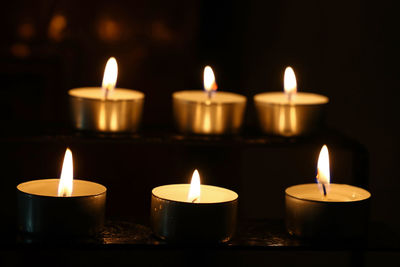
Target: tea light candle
193 212
208 111
289 113
326 210
63 207
106 109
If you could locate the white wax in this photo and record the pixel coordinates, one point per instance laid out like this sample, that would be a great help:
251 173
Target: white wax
300 98
49 188
208 193
336 193
218 97
98 93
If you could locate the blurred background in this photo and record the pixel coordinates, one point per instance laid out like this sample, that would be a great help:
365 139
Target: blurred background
346 50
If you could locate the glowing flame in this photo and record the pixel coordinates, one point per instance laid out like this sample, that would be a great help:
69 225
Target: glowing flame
289 82
194 190
323 175
209 80
110 76
65 185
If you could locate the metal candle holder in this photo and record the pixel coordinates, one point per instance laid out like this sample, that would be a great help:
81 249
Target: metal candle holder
209 117
106 115
183 222
289 119
314 219
51 216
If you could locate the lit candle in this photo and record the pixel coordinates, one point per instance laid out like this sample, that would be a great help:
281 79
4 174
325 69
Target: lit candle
289 113
193 212
61 207
106 109
208 111
326 210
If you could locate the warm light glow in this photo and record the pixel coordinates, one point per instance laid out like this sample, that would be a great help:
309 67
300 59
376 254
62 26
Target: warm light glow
209 80
109 30
323 175
57 26
65 185
194 190
289 81
110 76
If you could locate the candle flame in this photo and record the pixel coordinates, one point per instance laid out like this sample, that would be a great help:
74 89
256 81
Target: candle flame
65 185
110 76
323 176
194 190
289 82
209 80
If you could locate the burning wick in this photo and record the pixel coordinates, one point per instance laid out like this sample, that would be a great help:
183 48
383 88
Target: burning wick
106 94
209 94
322 184
290 97
323 188
323 175
195 200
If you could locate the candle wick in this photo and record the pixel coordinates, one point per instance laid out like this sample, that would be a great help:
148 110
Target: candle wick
209 94
290 96
106 93
195 199
323 188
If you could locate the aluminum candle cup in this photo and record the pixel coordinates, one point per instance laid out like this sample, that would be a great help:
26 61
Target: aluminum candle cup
176 220
195 113
278 116
120 112
42 212
343 213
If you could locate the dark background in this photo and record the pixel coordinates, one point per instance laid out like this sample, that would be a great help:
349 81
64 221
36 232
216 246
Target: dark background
346 50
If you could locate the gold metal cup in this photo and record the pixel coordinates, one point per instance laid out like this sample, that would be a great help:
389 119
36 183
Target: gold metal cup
106 115
61 216
313 219
182 222
289 119
208 117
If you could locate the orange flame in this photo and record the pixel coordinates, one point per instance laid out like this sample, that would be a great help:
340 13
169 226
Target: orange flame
289 81
65 186
194 190
323 175
209 80
110 76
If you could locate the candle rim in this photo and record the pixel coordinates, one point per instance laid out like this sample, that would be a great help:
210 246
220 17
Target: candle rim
240 98
364 198
104 189
197 203
141 95
324 99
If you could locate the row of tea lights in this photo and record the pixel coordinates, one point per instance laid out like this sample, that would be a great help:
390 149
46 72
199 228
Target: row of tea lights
194 212
110 109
